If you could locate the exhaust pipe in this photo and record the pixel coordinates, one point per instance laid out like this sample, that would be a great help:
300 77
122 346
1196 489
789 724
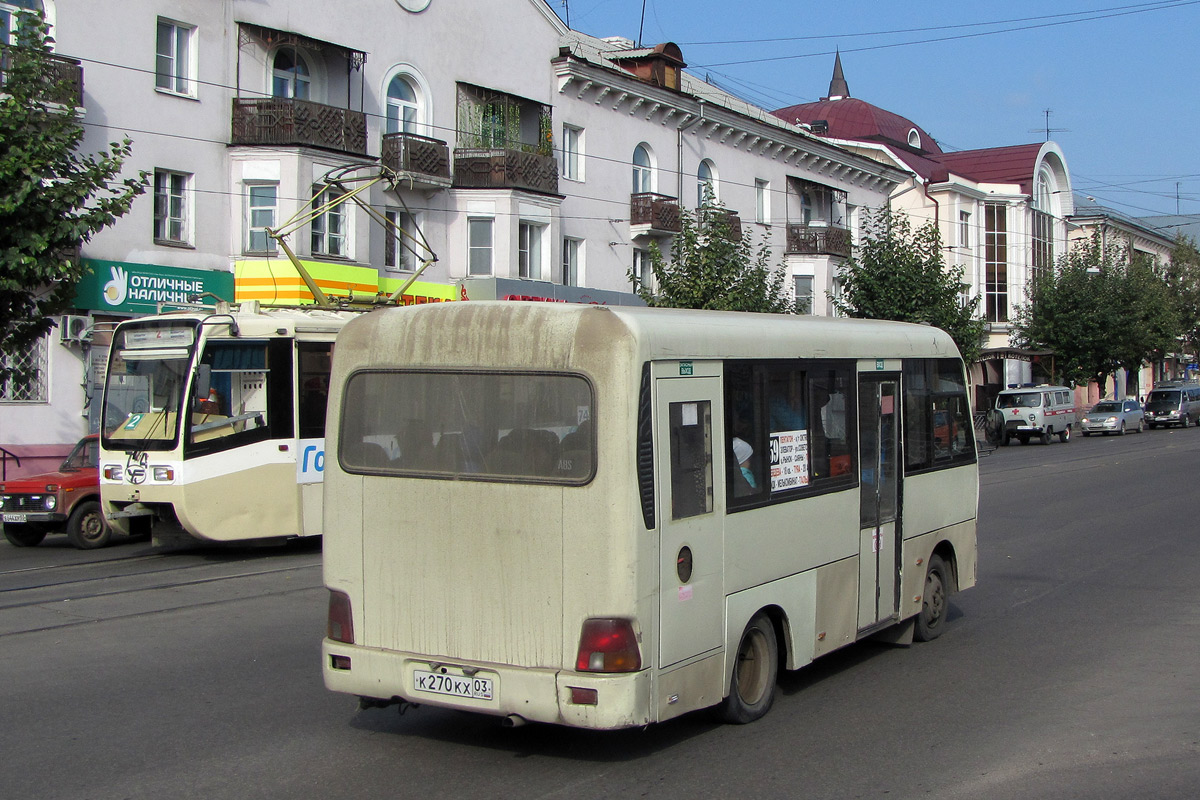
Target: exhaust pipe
512 721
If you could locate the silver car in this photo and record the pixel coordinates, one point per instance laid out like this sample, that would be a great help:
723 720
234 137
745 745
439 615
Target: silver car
1113 416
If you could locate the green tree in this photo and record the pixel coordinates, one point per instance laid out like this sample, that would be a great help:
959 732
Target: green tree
52 198
712 268
900 274
1098 311
1183 283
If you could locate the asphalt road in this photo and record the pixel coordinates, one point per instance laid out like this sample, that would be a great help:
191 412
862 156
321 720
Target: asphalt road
1070 671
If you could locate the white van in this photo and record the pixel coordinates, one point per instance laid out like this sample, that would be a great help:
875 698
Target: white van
1042 411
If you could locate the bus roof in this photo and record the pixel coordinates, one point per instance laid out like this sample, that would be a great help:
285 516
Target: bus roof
668 333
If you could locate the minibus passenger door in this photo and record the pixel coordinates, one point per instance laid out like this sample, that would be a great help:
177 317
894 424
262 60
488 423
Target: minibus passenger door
879 443
691 588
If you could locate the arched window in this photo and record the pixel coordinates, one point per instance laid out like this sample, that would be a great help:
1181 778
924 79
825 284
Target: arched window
914 139
1043 196
291 77
706 178
643 170
9 9
403 109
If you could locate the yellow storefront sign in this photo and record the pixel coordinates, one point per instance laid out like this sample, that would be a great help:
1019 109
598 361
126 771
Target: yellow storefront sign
276 282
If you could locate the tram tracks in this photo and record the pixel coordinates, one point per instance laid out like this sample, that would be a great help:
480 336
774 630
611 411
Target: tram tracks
75 594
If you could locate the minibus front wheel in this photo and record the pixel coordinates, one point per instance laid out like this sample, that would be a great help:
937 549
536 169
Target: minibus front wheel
755 670
935 602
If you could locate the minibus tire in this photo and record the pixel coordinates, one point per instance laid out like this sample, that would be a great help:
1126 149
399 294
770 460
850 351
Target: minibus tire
87 529
755 670
1064 435
935 602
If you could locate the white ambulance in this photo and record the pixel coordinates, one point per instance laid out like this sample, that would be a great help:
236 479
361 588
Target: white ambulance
1036 411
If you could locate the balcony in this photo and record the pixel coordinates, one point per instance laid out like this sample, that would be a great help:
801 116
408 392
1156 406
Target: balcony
64 78
734 222
418 161
491 168
816 240
653 213
284 122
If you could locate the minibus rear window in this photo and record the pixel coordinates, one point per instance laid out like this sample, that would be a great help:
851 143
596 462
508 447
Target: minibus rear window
504 426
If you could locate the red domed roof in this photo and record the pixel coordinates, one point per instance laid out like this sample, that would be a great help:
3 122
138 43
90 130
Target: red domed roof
851 118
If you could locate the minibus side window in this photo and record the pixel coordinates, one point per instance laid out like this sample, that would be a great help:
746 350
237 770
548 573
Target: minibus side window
788 430
937 421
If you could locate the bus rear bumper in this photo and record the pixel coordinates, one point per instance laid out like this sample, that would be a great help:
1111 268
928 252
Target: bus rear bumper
561 697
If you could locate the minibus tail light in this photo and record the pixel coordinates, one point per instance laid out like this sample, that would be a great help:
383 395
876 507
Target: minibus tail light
341 621
608 645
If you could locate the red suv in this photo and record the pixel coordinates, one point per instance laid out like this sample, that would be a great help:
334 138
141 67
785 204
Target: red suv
67 500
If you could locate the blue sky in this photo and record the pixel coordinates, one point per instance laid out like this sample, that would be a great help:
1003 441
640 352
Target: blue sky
1121 78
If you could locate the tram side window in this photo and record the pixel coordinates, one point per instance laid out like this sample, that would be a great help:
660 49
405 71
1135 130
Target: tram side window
937 420
788 429
248 397
313 392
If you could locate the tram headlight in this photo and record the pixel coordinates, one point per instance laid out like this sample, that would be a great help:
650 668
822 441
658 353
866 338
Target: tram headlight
113 472
163 473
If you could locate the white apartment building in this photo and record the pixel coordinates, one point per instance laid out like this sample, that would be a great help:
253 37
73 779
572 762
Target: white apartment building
534 162
1002 212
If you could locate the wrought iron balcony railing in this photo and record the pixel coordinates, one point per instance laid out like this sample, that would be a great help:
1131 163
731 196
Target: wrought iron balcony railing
498 168
659 212
64 77
284 121
418 159
818 240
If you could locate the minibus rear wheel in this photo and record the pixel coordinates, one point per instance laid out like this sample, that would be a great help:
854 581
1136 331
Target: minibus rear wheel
752 687
935 602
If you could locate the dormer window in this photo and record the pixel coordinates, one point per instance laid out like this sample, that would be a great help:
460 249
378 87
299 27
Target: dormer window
660 66
914 139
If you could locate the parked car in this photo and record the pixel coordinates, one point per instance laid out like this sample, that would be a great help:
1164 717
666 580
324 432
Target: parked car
1113 416
1036 411
67 501
1173 403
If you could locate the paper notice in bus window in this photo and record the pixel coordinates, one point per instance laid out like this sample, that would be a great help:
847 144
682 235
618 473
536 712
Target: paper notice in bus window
690 414
789 460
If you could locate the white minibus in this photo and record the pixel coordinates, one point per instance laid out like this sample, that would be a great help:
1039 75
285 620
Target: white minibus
605 517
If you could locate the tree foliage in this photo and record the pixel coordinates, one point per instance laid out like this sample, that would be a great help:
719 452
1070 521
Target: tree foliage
1183 284
1098 310
52 198
900 274
712 268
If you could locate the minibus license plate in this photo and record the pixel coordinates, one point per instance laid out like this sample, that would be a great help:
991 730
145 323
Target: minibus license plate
14 518
473 687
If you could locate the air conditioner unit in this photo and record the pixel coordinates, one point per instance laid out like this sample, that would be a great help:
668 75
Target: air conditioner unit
73 328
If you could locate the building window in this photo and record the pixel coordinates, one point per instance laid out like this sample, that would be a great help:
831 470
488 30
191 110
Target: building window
964 229
572 261
171 201
643 170
479 245
291 76
762 201
329 228
706 183
1043 242
804 293
403 111
996 261
398 254
572 168
263 201
642 273
529 250
27 382
173 58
